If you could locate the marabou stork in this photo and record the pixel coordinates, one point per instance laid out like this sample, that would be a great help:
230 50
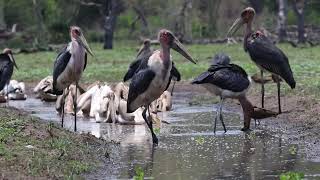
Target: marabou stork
142 58
69 66
153 75
227 81
263 53
6 68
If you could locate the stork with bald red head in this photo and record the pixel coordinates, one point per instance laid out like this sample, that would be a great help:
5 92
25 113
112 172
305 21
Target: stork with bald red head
152 76
263 53
69 66
142 58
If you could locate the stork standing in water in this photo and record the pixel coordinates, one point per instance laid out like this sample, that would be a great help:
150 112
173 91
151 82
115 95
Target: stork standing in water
227 81
153 75
143 56
69 66
6 68
263 53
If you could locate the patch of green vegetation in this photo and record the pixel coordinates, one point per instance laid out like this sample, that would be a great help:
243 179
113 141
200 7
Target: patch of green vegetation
139 174
199 140
292 176
31 148
293 150
156 130
113 64
251 135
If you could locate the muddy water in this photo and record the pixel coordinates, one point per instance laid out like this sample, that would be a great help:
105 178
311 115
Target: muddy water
188 148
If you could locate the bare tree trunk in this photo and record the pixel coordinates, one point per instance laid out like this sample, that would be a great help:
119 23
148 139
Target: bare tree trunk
41 27
141 14
213 13
298 7
180 23
282 20
3 25
110 23
113 9
188 22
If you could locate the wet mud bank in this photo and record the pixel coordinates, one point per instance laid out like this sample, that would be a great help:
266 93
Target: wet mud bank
188 148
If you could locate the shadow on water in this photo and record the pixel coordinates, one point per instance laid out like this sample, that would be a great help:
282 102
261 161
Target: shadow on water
188 148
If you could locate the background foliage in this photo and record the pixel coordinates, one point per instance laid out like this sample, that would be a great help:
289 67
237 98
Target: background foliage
204 18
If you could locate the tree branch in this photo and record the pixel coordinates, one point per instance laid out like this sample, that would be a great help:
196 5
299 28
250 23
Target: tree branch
90 4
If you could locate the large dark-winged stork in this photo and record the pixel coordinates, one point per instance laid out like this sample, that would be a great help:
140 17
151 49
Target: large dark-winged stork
6 67
69 66
152 77
263 53
143 54
227 81
142 59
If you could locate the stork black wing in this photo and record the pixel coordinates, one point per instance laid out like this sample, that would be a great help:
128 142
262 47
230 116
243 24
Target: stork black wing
264 53
175 73
139 84
229 77
132 69
6 70
140 63
59 66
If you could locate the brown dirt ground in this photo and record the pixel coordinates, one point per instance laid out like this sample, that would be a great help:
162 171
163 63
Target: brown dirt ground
39 135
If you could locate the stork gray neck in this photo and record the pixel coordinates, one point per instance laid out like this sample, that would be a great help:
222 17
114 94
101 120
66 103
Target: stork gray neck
78 57
165 53
247 34
77 48
247 110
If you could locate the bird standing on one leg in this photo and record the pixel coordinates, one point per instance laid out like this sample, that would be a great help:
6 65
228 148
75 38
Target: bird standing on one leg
6 68
227 81
152 77
69 66
263 53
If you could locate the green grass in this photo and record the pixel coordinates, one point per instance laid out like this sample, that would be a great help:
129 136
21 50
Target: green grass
31 148
291 176
112 64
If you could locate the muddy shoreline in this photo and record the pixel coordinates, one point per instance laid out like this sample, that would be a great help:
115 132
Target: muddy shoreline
298 124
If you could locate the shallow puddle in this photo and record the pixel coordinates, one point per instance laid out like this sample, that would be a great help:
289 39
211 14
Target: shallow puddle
188 148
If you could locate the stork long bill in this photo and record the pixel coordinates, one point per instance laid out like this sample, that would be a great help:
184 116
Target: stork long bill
13 61
235 26
82 40
177 46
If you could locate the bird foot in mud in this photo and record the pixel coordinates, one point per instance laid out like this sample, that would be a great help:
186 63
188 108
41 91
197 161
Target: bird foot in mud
155 140
245 129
